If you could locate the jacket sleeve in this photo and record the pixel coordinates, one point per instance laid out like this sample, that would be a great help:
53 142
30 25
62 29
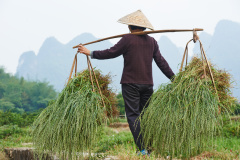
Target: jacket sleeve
115 51
162 63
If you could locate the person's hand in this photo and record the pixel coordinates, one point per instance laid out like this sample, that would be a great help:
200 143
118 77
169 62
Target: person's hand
83 50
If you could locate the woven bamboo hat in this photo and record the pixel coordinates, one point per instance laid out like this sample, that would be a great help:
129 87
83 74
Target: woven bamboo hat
137 19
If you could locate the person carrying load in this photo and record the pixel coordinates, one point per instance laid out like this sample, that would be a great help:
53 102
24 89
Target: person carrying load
138 52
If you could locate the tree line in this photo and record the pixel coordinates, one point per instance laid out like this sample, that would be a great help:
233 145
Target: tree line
19 95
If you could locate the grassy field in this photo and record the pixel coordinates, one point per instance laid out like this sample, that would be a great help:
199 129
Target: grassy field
118 143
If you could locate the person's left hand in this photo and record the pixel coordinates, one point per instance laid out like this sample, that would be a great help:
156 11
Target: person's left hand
83 50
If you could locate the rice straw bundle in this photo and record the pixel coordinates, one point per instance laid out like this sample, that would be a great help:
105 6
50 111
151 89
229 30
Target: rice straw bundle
222 81
104 83
182 117
69 126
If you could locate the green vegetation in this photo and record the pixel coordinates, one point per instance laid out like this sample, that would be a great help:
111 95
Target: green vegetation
15 133
19 95
122 120
16 125
7 130
237 109
12 123
222 80
19 119
185 118
122 145
121 105
228 143
186 112
110 139
104 82
15 129
231 128
72 122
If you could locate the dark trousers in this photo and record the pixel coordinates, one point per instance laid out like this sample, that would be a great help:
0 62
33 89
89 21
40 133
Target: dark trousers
135 98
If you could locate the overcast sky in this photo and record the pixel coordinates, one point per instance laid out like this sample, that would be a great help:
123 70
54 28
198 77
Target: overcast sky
25 24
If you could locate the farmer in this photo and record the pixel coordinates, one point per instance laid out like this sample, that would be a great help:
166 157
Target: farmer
137 83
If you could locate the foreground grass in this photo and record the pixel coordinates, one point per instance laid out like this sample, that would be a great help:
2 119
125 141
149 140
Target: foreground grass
16 139
227 148
121 145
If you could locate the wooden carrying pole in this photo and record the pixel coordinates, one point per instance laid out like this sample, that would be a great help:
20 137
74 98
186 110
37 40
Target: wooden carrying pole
142 33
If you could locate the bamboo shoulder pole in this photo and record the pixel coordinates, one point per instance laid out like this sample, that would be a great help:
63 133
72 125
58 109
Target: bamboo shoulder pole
142 33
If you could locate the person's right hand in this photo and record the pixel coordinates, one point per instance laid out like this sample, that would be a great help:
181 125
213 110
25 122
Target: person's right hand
83 50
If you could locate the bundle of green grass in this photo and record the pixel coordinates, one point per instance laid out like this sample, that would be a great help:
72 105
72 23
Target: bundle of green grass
69 126
183 117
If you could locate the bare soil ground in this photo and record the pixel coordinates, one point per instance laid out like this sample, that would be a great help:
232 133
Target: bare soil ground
235 118
119 127
3 156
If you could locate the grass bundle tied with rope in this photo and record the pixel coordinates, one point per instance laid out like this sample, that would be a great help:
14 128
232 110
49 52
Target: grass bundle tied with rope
69 126
183 117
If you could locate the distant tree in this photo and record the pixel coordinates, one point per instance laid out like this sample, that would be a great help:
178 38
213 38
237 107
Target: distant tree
2 89
237 109
19 95
5 105
121 104
21 119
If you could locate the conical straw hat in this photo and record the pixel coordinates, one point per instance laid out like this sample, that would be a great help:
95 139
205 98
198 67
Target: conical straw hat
137 19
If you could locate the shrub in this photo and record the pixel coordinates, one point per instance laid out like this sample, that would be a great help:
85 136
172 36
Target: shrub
8 130
231 129
237 109
20 119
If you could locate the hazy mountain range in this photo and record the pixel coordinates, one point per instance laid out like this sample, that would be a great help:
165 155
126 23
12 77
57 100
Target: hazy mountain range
53 61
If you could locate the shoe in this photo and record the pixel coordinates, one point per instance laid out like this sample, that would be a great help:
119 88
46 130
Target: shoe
143 152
